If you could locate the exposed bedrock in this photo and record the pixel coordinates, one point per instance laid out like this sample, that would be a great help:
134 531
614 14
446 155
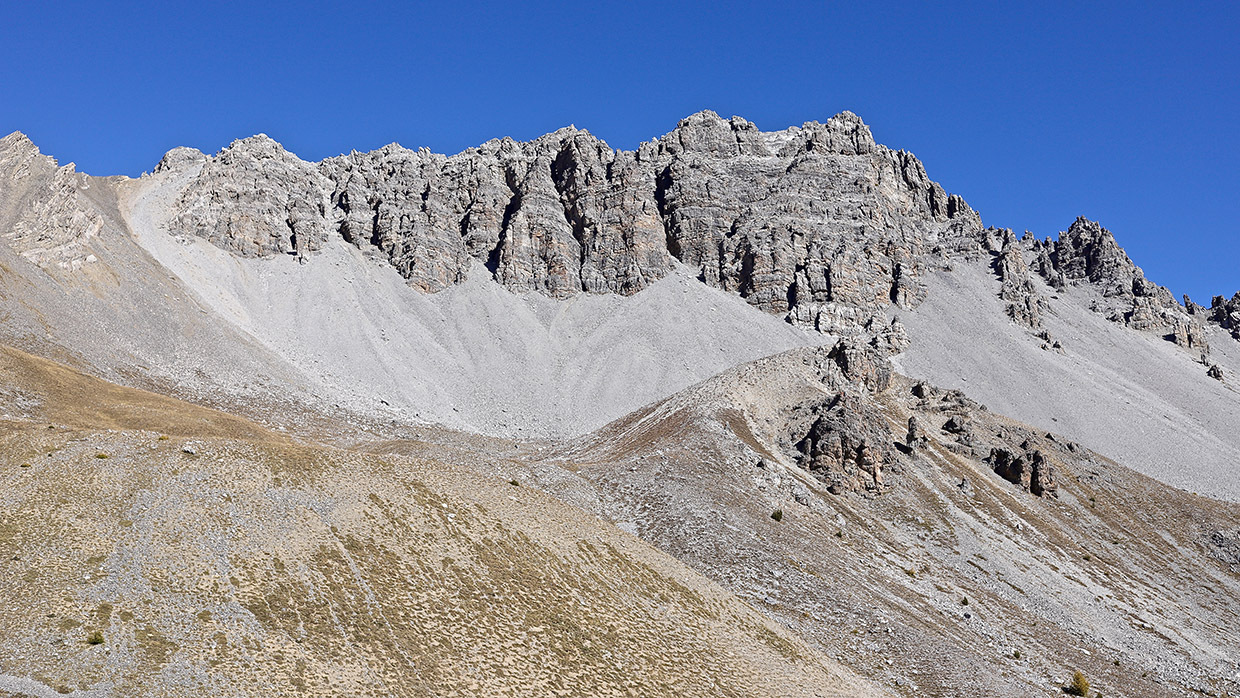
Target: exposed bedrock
816 221
1087 254
52 217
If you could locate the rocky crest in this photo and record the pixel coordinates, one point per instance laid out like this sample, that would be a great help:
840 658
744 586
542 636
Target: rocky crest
1225 313
1088 254
848 447
52 219
816 221
254 199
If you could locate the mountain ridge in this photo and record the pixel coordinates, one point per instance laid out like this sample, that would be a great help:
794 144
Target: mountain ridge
427 259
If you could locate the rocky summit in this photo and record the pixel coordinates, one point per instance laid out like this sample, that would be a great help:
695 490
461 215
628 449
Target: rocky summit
737 413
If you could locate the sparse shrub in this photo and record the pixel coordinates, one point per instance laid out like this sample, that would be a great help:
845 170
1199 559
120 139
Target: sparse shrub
1078 685
101 456
778 514
95 637
163 437
964 601
25 465
514 483
1015 654
839 534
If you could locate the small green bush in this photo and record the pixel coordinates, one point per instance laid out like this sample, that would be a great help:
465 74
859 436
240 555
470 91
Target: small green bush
778 515
1078 686
101 456
95 637
514 483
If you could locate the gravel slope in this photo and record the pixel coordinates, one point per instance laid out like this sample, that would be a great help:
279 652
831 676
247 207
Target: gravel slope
1132 396
475 356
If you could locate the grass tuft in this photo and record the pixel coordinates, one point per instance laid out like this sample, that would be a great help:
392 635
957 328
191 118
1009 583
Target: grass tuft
95 637
1078 685
778 514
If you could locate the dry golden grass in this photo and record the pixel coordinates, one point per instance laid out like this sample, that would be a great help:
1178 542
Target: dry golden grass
72 398
258 566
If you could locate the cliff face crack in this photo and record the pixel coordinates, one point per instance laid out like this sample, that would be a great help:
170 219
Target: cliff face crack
564 177
663 183
495 256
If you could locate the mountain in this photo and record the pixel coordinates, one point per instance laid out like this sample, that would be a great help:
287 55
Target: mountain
936 457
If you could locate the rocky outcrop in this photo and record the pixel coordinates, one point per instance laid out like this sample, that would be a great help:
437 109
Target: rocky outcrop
560 215
916 436
801 220
1088 254
52 216
861 365
1224 546
817 222
181 160
1030 469
254 199
1226 313
1024 305
848 447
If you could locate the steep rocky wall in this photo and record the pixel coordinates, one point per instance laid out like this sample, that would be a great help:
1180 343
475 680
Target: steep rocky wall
801 221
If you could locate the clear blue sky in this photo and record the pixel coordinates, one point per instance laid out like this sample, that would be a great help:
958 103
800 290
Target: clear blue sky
1123 112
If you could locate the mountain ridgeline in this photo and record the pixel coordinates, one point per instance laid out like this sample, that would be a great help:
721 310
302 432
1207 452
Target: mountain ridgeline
817 223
